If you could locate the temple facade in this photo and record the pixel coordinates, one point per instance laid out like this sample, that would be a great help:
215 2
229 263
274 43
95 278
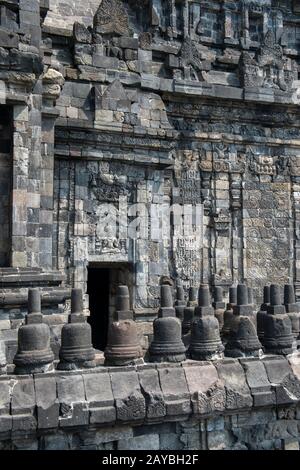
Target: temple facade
148 147
142 139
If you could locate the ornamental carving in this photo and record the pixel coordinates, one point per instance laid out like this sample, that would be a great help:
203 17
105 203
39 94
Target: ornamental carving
190 59
111 18
145 40
108 187
131 408
262 165
187 177
108 246
284 165
105 236
53 82
269 68
187 257
222 222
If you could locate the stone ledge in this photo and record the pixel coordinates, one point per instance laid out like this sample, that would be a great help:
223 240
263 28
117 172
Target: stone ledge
148 393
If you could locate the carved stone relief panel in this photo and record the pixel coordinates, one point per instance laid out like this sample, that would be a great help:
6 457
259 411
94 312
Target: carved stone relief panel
187 197
269 68
267 232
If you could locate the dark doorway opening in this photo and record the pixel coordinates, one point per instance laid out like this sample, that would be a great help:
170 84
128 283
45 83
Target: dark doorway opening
98 291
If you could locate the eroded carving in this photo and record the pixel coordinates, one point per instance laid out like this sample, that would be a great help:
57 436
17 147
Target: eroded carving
269 68
131 408
111 18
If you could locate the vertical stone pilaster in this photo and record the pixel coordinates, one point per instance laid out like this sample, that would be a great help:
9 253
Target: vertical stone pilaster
295 181
237 228
206 181
222 230
228 30
46 190
185 13
19 186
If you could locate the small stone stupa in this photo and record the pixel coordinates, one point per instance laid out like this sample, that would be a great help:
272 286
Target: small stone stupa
261 315
228 314
123 346
180 302
189 310
242 340
278 337
219 305
34 354
167 344
206 343
292 309
76 350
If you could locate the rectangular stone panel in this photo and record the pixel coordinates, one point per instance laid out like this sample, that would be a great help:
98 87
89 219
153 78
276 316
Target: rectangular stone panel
71 396
237 390
175 390
129 400
207 390
100 398
46 401
150 386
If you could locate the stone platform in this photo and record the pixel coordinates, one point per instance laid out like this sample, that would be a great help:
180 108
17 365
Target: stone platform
231 404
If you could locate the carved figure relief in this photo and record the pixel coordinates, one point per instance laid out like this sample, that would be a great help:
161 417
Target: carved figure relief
269 68
106 186
222 221
104 238
188 177
191 62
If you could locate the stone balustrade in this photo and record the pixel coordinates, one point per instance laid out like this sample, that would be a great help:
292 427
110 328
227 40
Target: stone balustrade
230 404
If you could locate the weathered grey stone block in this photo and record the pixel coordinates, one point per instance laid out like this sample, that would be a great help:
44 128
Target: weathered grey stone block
47 402
258 382
60 441
237 390
5 423
150 387
71 396
173 378
5 395
23 399
170 441
285 383
115 433
206 389
146 442
129 401
99 395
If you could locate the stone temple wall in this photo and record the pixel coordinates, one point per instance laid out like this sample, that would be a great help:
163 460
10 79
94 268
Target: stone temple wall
113 109
192 106
153 104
